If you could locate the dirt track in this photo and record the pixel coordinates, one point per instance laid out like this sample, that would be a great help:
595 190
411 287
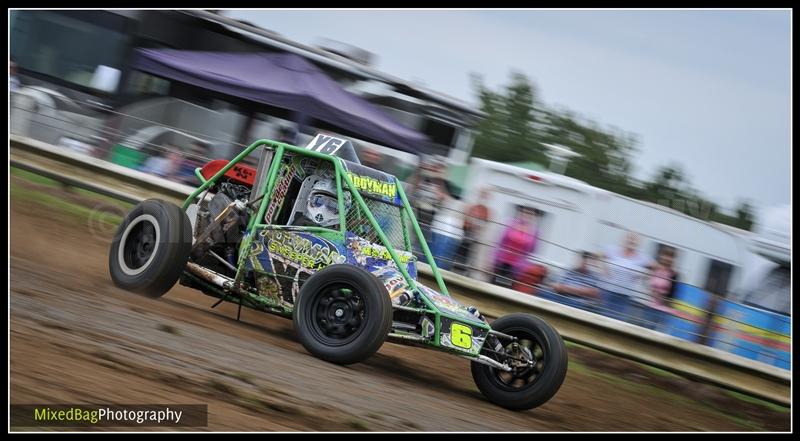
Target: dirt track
75 338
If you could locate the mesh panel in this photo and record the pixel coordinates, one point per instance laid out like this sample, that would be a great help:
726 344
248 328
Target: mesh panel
388 217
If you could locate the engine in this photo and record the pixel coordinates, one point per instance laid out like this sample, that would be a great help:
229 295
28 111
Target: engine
223 240
231 230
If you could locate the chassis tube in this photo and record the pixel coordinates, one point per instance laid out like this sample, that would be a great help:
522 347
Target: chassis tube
503 336
223 170
482 359
363 206
210 276
247 240
422 242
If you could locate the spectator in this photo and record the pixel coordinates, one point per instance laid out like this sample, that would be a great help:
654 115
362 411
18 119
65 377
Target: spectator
426 189
371 158
287 134
516 245
161 163
447 228
529 279
13 80
626 270
475 220
190 161
579 286
663 278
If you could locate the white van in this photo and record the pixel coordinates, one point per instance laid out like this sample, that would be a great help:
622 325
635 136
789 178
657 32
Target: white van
579 217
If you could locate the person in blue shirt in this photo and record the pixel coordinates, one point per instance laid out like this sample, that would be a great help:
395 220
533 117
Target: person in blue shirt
578 287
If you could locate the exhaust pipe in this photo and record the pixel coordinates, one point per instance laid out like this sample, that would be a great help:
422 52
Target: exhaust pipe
212 277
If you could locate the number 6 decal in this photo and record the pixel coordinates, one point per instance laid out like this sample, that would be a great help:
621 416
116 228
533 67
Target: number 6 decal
461 335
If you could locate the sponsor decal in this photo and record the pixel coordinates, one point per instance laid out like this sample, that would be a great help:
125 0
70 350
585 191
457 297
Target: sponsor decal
246 174
374 183
283 260
279 193
325 144
372 256
305 250
367 184
380 252
395 284
446 303
461 336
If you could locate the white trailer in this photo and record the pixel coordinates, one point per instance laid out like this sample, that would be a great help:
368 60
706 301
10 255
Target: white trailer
579 217
767 274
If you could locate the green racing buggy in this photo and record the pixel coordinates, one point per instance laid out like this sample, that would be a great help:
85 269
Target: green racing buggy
310 233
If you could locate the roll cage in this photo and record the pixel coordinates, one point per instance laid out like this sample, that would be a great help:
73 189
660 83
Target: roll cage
264 183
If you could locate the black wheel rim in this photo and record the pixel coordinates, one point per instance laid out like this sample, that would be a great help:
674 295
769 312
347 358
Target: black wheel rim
530 348
139 245
337 314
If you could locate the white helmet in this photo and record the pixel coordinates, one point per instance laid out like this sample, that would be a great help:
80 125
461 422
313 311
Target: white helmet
323 206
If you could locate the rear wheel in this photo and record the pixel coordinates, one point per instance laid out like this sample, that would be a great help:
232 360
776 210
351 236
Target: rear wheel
150 248
343 314
538 360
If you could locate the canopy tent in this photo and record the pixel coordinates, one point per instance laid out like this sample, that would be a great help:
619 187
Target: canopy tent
282 80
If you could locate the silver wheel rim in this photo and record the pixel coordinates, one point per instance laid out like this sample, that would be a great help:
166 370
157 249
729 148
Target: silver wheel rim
120 251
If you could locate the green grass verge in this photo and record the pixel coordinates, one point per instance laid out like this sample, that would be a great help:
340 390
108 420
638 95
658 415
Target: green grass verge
55 202
644 389
33 177
678 399
41 180
754 400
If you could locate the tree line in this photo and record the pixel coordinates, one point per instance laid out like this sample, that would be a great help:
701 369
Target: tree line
517 123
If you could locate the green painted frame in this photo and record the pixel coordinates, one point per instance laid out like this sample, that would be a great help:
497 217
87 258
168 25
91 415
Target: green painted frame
342 181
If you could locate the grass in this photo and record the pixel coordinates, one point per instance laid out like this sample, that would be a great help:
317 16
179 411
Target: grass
223 387
357 424
652 369
581 368
259 404
101 197
754 400
647 389
33 177
677 399
244 377
55 202
52 201
659 372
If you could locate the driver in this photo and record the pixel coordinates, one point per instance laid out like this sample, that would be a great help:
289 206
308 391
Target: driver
322 206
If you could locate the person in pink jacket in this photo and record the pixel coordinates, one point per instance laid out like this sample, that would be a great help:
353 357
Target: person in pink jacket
517 243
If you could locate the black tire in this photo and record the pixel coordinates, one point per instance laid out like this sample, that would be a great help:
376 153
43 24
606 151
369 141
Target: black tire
548 373
157 239
365 320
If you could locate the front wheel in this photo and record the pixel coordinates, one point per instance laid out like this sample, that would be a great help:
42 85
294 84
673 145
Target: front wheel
151 247
538 360
343 314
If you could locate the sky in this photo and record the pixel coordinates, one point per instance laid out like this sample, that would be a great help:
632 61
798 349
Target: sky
709 90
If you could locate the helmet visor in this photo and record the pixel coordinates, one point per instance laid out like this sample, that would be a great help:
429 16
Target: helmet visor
324 201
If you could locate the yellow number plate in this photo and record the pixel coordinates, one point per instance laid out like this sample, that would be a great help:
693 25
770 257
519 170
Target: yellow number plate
461 335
